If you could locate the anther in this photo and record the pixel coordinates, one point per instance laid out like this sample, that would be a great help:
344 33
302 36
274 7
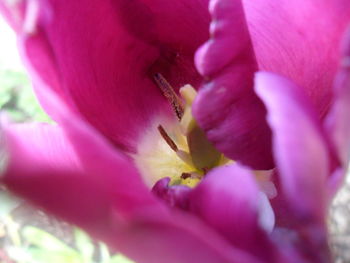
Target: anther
170 94
167 138
190 175
185 175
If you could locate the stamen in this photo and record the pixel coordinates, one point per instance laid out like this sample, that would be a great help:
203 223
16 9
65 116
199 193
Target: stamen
185 175
192 175
167 139
170 94
184 156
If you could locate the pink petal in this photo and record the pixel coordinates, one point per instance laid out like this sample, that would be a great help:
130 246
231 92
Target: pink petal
46 168
337 122
302 155
75 174
101 56
299 39
226 107
174 196
228 200
187 240
300 147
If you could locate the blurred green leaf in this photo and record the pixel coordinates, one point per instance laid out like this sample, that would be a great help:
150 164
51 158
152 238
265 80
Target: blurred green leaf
38 255
84 245
120 259
104 253
10 79
7 203
46 248
46 241
18 99
19 254
107 258
29 104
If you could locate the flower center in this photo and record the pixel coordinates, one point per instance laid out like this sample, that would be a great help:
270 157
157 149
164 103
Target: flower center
179 150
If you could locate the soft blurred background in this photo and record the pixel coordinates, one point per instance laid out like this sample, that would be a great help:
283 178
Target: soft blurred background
28 235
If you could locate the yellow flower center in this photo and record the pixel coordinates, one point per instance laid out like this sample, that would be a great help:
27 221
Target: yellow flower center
179 150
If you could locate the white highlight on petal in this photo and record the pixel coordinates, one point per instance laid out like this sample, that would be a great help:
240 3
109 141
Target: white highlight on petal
13 2
345 62
266 215
31 17
266 185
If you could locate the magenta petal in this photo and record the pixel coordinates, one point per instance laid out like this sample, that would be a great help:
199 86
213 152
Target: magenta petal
180 239
226 107
175 29
45 169
77 175
228 200
174 196
300 39
100 56
299 145
337 121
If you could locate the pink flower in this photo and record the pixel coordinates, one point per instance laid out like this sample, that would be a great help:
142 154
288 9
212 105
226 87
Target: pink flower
93 65
100 57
